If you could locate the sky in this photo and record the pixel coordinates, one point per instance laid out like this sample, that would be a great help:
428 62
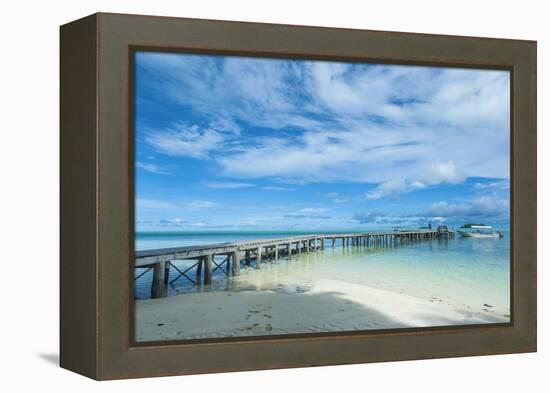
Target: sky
227 142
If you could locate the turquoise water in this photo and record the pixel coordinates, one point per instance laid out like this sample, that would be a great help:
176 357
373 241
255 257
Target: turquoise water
465 272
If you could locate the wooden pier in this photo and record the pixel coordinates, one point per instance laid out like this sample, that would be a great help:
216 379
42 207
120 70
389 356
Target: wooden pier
254 252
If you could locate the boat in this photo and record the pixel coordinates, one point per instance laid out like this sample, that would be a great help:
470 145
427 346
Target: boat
479 231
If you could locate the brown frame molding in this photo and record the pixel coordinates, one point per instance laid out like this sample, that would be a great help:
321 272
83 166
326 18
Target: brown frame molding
97 196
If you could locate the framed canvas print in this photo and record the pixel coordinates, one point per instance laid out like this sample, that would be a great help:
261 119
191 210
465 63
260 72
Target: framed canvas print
240 196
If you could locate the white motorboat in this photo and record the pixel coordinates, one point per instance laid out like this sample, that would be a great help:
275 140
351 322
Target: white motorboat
479 231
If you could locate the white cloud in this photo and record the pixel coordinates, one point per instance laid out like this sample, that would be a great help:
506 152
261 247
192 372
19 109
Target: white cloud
225 124
503 184
173 222
429 95
387 188
236 88
400 127
308 213
437 173
299 216
186 141
152 168
336 198
484 206
443 172
228 185
488 207
181 223
199 205
370 154
313 210
395 186
382 218
277 188
144 203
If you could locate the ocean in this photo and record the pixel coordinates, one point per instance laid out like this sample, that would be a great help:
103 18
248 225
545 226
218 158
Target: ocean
467 273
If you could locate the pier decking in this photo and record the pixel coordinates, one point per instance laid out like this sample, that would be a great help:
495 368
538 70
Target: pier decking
258 251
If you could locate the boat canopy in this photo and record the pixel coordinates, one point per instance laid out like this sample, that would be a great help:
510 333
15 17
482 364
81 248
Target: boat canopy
477 226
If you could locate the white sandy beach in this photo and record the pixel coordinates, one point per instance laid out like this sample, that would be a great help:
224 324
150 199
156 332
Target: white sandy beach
328 306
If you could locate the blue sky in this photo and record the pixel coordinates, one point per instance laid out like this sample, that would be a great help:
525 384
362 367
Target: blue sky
232 142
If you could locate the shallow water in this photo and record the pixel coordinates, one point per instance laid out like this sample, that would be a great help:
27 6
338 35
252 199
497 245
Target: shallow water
466 273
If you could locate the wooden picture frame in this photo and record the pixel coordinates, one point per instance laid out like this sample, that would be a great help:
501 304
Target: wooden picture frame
97 196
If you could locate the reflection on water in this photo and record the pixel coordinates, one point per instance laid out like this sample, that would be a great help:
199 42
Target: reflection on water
461 271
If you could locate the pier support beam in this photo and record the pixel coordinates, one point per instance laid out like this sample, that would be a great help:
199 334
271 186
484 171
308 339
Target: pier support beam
167 275
289 249
159 287
208 269
236 263
199 269
258 257
277 252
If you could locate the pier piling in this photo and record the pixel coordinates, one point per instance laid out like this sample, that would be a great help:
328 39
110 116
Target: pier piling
208 269
258 257
158 287
236 263
199 268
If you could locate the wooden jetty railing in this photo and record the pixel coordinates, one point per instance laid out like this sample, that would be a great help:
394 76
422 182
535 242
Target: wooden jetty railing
243 252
